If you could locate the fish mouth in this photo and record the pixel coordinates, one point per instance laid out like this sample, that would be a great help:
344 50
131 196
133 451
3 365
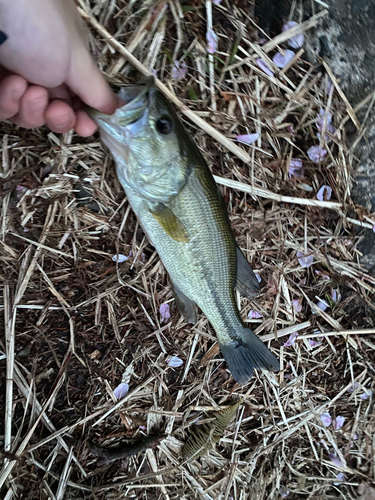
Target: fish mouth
138 98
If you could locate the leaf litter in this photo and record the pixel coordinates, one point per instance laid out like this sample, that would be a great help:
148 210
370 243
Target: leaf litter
77 313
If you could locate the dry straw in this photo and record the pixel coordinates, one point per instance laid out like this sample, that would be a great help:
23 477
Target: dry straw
77 323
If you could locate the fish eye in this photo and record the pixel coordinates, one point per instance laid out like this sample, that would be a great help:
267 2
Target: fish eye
164 125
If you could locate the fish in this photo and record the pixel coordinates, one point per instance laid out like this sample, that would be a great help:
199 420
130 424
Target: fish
203 437
174 195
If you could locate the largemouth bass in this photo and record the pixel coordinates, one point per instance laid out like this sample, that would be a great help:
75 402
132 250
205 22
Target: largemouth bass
181 210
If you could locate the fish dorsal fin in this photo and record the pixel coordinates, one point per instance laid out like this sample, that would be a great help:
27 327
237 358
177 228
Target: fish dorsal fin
170 223
246 282
186 306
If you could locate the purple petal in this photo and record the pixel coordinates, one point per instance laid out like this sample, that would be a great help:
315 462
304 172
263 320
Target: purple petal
316 154
302 282
325 276
326 419
338 422
20 188
366 395
334 294
121 390
165 312
296 41
282 60
217 2
291 339
373 228
323 115
179 70
264 66
351 387
258 277
324 193
120 258
322 304
254 315
341 477
295 167
247 138
305 260
314 343
335 459
174 361
297 305
211 37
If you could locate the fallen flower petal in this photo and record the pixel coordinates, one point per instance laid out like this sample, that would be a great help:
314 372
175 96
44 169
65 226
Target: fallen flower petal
324 193
217 2
373 228
323 115
165 312
296 41
258 277
291 340
281 60
316 154
325 276
264 66
121 390
254 315
211 37
20 188
314 343
341 477
326 419
351 387
322 304
247 138
338 422
305 260
334 294
120 258
366 395
179 70
297 305
295 167
174 361
335 459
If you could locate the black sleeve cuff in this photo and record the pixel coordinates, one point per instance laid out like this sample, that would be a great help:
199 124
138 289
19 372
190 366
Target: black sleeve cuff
3 37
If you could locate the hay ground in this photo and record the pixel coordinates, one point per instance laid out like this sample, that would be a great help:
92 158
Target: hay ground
77 323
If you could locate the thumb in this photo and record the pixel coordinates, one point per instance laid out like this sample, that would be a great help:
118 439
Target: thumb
88 83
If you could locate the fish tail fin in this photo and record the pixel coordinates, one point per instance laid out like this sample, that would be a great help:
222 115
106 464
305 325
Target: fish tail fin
245 353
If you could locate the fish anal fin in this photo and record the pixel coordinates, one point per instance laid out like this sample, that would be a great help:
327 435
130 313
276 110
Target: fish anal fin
170 223
246 282
186 306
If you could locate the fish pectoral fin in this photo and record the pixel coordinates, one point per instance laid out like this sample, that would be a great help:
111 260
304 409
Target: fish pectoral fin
187 308
246 352
246 281
170 223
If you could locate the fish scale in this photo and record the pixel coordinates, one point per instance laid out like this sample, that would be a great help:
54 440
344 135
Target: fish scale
172 191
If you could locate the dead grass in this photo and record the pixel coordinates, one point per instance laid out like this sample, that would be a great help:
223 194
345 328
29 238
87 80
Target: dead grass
77 324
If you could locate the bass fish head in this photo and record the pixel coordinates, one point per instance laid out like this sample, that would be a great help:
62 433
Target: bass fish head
148 143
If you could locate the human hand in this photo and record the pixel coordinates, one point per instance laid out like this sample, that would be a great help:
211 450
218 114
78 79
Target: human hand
46 70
